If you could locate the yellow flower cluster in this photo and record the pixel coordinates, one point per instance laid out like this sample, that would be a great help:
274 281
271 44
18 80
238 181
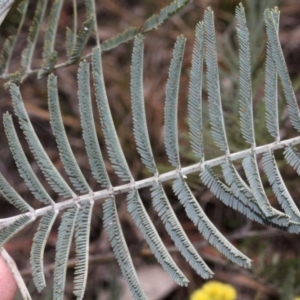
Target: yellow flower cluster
297 298
214 290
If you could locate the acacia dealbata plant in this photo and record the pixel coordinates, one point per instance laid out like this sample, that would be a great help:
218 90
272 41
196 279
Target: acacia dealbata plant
246 195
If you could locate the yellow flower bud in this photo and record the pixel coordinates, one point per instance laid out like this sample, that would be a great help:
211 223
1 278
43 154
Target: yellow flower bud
214 290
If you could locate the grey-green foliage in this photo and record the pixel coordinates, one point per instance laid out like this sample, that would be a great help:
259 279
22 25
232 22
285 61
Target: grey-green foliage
246 105
51 174
140 129
49 54
229 80
272 19
213 85
271 91
38 247
76 39
195 94
33 34
82 235
88 126
172 90
22 163
65 151
246 195
64 239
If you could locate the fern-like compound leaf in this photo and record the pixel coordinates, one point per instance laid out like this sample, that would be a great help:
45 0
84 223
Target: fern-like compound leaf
271 90
143 222
81 39
272 19
153 22
53 177
213 86
69 41
88 126
12 229
278 186
22 163
48 64
195 94
38 246
89 7
5 53
169 218
10 42
294 227
252 174
140 129
221 191
244 200
170 126
251 201
33 34
205 226
50 33
120 38
292 157
15 78
168 11
49 54
246 109
164 210
82 240
65 151
8 192
240 189
113 229
115 152
64 239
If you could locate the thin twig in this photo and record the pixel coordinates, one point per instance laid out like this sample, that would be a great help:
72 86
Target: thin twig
103 194
75 25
